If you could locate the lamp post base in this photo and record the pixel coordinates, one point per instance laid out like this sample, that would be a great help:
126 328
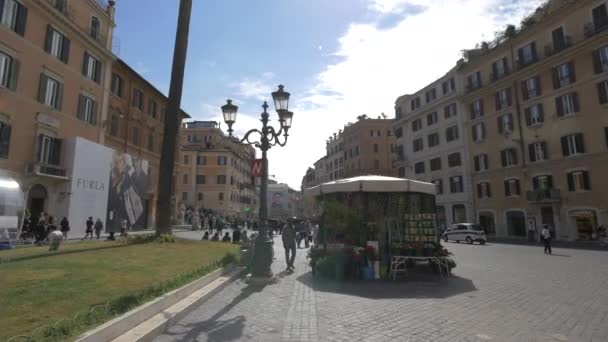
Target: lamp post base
263 256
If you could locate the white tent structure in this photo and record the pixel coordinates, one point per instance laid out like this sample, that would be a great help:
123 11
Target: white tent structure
11 211
371 184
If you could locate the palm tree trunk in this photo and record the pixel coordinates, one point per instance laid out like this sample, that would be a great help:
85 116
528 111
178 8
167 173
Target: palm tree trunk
172 121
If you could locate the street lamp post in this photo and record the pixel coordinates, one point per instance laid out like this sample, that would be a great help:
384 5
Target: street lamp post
268 137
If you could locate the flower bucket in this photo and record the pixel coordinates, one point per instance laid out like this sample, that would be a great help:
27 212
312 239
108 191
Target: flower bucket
367 273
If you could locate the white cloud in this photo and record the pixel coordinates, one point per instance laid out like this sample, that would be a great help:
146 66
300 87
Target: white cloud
255 88
378 65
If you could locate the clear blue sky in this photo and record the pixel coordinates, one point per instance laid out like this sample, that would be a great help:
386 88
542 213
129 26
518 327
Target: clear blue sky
338 58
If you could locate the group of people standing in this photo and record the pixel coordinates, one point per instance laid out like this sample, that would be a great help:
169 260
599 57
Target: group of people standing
39 228
237 236
207 219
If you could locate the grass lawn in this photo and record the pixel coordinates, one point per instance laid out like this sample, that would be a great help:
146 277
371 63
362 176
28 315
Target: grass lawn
39 287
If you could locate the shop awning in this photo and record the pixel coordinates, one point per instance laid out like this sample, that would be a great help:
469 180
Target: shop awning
371 184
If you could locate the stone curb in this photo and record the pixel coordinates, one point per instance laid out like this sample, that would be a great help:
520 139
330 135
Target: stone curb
124 323
160 322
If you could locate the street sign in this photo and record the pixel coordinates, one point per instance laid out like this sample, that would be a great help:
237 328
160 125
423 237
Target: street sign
256 168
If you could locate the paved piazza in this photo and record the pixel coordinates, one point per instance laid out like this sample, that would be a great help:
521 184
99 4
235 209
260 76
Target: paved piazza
499 293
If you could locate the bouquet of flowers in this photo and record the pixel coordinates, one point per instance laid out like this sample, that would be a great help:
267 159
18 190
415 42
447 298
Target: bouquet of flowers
371 254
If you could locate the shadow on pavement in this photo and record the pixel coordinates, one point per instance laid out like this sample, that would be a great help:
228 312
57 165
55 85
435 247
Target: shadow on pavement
415 286
214 328
561 255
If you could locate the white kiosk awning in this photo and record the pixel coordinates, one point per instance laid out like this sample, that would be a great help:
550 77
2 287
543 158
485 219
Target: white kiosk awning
371 184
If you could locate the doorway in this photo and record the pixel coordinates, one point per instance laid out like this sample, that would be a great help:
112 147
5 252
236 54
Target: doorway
586 225
486 220
36 201
516 223
459 213
547 218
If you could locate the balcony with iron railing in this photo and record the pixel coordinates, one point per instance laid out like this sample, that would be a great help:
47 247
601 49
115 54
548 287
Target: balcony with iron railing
543 196
596 26
558 46
495 76
525 62
471 87
48 170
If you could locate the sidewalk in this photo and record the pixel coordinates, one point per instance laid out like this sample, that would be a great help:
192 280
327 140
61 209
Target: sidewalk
587 245
284 311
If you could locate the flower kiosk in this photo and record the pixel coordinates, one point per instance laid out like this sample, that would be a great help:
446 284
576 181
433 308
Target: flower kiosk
376 226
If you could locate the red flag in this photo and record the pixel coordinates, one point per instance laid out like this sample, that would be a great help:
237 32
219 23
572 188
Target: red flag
256 168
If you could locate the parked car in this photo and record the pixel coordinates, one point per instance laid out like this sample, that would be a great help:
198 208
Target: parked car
469 232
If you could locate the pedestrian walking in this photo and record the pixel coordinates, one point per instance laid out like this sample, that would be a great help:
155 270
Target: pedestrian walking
289 243
546 236
98 228
65 227
89 231
219 225
50 226
124 224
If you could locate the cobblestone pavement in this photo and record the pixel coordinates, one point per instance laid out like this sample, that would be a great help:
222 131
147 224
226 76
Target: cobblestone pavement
499 293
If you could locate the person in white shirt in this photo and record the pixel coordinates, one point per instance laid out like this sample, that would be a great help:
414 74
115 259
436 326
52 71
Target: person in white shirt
546 236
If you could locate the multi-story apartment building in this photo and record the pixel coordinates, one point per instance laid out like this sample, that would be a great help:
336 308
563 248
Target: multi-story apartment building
135 126
537 123
362 148
55 68
368 147
215 171
321 171
430 146
334 162
309 179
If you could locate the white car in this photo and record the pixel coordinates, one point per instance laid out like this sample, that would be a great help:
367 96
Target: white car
469 232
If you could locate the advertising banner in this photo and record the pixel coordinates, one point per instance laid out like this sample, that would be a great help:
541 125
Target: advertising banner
89 182
129 184
277 203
